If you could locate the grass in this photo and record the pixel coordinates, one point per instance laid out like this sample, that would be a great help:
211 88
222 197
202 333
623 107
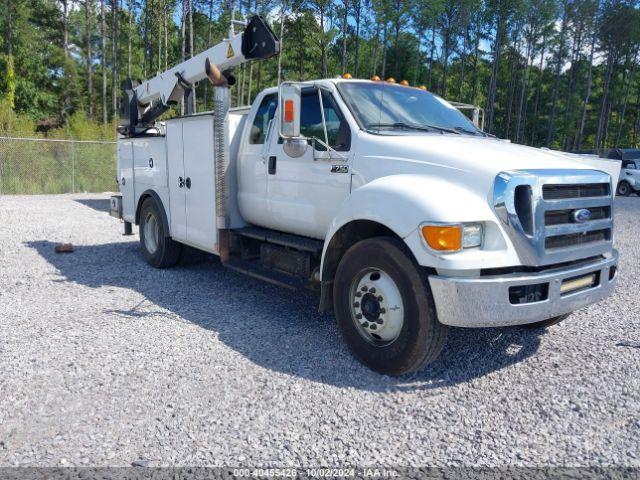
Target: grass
33 167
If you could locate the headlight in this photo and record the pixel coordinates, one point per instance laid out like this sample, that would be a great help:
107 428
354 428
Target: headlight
452 238
472 235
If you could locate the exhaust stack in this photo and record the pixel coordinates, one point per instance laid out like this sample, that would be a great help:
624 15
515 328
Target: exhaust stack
221 151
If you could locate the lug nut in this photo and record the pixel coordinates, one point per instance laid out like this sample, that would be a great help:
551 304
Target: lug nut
358 316
365 325
380 298
364 289
373 290
373 326
358 294
356 304
379 321
383 310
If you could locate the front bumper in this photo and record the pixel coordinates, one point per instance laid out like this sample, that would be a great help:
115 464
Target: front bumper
484 301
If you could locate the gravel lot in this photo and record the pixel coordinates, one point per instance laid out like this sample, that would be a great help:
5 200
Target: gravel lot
105 360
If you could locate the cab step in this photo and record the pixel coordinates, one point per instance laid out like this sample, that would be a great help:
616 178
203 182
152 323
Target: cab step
296 242
256 270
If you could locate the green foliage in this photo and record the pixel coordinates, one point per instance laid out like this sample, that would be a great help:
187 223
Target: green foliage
11 83
527 62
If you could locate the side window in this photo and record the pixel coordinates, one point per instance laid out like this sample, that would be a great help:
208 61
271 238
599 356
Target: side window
264 115
311 121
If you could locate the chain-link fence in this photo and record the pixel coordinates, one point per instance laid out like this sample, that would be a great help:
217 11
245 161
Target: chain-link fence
34 165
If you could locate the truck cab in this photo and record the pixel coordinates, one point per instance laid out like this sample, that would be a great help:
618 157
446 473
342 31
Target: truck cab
398 210
298 195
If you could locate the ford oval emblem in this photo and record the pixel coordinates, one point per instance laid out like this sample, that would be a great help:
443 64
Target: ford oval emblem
582 215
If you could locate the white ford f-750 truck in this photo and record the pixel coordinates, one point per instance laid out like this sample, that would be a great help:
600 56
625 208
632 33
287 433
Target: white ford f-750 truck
404 215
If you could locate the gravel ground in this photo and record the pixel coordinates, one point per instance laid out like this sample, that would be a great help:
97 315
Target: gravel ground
105 360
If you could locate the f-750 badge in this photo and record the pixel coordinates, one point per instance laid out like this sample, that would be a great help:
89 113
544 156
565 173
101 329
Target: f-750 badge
339 168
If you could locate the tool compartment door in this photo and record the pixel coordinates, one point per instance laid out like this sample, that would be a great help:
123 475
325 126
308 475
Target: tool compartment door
199 169
125 179
150 161
177 195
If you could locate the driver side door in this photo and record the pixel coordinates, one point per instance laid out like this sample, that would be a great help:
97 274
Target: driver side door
304 194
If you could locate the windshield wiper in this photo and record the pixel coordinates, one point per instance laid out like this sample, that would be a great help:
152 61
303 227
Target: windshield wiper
410 126
406 126
470 132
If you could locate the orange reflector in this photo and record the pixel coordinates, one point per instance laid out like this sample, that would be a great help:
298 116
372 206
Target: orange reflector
347 76
443 238
391 80
422 87
288 111
375 78
405 83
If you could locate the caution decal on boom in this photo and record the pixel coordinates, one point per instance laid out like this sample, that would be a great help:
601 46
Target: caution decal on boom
230 52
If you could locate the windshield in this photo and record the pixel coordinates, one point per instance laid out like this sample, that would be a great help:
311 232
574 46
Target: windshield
380 106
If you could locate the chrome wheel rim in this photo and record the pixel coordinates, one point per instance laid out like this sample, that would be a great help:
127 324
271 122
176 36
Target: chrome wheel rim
376 307
151 233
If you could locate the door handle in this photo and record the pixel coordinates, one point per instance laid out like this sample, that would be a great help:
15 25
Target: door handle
180 182
272 165
187 182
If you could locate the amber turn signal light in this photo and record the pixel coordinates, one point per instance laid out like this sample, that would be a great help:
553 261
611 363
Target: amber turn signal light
288 111
443 238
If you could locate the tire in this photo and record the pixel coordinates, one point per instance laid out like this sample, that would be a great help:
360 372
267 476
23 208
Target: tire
546 323
407 336
159 250
624 189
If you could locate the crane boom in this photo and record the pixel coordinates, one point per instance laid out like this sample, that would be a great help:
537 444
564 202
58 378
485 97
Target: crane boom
146 101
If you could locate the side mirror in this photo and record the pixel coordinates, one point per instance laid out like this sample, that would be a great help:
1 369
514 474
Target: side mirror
289 120
290 101
295 147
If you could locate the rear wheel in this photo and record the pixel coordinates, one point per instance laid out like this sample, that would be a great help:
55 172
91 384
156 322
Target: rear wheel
384 308
159 250
624 189
547 323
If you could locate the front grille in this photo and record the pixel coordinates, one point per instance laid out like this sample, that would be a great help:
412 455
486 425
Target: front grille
561 202
559 217
555 216
576 239
585 190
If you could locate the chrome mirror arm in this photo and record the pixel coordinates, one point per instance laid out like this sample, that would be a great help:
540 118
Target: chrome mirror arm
329 148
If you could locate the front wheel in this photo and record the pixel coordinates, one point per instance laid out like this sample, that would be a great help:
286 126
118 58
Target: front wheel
384 308
159 250
624 189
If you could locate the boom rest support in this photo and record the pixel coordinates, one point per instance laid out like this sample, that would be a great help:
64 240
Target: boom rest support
258 40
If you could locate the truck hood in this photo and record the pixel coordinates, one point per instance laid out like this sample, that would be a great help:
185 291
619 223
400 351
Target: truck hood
474 161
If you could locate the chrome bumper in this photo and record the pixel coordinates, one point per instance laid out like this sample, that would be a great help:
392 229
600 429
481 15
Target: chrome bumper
484 301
